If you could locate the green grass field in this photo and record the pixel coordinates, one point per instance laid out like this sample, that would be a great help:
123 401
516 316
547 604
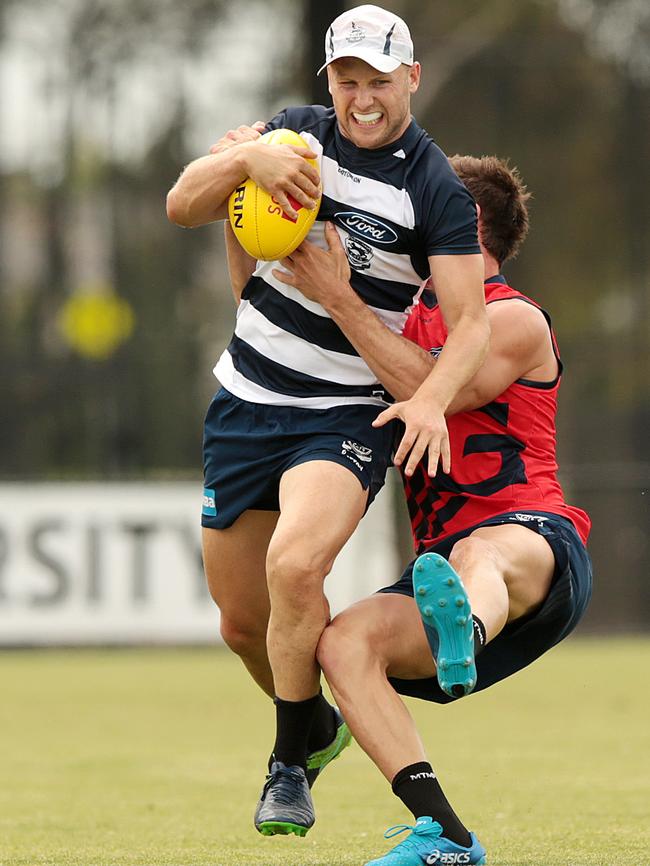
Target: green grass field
143 757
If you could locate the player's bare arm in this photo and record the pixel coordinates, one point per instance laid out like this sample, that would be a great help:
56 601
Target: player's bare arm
458 284
240 265
520 348
324 276
200 195
520 342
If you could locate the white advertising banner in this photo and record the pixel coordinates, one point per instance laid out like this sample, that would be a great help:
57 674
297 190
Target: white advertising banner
105 563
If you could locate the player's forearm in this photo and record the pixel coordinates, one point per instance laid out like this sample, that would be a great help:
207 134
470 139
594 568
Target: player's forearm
398 364
464 351
240 264
200 194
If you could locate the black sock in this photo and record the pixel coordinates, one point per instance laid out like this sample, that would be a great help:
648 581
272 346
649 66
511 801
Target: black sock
323 726
480 635
419 790
293 723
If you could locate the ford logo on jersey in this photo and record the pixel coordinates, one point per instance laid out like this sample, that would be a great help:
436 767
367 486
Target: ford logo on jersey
366 227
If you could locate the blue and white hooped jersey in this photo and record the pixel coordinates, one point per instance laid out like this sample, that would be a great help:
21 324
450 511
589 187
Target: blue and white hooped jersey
393 207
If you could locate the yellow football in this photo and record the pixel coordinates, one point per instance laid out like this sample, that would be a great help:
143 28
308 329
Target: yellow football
259 223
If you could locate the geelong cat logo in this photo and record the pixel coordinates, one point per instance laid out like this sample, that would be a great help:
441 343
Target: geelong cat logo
360 254
366 227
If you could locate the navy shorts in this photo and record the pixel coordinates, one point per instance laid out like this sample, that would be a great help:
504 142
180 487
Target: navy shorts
525 639
247 447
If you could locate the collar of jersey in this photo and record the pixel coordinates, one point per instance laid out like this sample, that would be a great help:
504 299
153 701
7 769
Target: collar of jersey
497 278
406 142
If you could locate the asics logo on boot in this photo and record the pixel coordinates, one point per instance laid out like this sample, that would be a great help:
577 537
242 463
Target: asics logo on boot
449 859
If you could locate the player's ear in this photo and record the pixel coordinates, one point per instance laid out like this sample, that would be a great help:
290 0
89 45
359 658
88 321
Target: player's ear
329 72
479 225
479 221
414 77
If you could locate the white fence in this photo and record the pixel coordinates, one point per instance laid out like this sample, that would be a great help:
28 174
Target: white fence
97 563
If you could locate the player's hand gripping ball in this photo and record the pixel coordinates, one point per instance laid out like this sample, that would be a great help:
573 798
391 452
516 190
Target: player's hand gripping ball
258 221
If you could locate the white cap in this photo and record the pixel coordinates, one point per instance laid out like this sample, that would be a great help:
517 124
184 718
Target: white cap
372 34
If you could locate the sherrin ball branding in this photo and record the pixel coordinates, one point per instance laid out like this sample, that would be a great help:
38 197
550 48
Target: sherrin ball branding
258 221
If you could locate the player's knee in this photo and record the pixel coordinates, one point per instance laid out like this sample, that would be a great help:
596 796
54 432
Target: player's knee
243 638
471 549
344 651
295 571
330 654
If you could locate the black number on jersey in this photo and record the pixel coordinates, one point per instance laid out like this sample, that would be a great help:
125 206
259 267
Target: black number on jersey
424 497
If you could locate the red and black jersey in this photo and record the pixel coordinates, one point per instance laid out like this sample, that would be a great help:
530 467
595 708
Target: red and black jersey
502 454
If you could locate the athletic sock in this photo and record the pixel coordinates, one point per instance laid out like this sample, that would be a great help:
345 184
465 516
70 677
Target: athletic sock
480 635
323 726
420 791
293 723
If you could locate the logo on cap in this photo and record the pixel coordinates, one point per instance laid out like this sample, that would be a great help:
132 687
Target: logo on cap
356 34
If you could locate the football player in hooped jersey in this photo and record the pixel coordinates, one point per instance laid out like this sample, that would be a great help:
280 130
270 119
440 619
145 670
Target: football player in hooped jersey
291 457
503 572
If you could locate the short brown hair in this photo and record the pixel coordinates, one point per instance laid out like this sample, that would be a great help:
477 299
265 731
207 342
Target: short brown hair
502 196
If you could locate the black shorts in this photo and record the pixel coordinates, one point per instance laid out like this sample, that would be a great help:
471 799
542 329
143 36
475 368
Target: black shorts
247 447
526 639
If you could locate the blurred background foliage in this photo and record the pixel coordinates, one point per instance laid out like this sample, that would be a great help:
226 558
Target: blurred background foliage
111 318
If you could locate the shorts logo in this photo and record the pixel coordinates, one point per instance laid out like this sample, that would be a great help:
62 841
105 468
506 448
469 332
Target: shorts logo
529 518
447 858
435 351
209 504
359 253
364 454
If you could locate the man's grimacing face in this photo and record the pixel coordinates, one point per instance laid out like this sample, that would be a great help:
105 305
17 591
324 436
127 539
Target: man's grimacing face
372 108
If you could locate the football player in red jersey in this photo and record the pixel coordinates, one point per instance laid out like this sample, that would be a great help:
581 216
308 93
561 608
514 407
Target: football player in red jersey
503 572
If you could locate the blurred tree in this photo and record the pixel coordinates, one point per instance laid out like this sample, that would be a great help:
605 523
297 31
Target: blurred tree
616 30
102 208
